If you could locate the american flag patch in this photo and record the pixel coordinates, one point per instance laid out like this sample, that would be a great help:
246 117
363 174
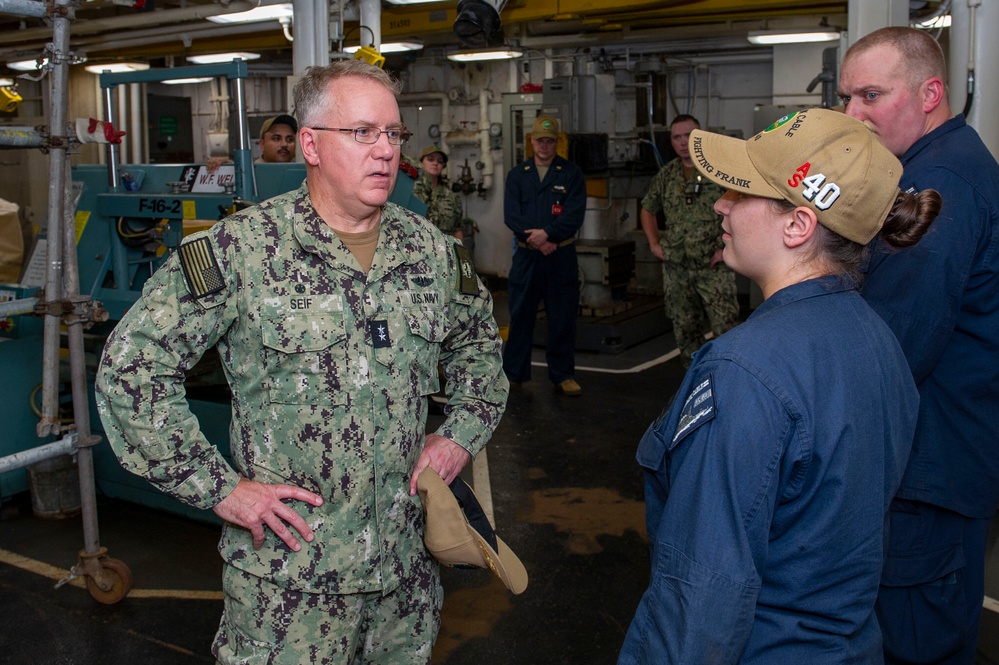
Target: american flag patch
200 268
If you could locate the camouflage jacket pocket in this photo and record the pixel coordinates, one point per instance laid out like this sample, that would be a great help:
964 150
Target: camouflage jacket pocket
303 355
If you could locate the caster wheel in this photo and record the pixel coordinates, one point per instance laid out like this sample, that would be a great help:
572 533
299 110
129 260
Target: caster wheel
120 577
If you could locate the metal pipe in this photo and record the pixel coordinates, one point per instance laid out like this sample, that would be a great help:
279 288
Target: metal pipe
17 307
143 19
58 158
78 377
246 186
122 123
64 446
485 149
371 18
23 8
303 53
112 148
138 135
20 137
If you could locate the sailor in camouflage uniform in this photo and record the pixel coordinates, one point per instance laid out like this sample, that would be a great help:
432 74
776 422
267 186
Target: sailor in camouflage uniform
330 309
699 290
443 205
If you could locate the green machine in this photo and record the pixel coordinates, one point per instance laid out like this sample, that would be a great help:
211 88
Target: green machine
129 219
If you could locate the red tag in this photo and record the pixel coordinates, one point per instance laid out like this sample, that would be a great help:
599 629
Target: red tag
557 209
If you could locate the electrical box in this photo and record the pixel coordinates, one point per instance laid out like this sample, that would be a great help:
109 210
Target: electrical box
584 104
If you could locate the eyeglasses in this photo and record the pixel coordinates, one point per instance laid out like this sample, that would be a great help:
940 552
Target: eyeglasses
370 134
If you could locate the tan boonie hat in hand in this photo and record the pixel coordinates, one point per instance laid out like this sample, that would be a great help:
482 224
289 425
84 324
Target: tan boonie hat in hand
459 533
545 127
818 158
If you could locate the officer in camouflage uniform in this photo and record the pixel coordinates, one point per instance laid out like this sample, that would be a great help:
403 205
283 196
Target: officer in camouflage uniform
443 205
330 309
699 290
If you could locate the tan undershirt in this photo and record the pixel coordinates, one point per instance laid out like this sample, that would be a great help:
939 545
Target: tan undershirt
361 245
542 170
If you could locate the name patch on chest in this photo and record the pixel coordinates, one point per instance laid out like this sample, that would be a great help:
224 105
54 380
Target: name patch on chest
421 298
698 409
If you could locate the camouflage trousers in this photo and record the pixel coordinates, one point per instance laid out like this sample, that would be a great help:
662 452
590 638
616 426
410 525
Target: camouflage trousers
263 623
698 300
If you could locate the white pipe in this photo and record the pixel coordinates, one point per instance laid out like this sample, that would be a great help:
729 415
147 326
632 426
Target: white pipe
159 35
123 116
303 53
484 144
971 51
138 134
371 18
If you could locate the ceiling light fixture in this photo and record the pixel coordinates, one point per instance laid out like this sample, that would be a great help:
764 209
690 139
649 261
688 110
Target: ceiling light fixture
934 23
117 67
770 37
483 54
216 58
6 82
26 65
198 79
274 12
32 65
391 47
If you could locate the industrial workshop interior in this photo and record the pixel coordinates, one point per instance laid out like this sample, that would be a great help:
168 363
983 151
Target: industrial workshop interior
112 111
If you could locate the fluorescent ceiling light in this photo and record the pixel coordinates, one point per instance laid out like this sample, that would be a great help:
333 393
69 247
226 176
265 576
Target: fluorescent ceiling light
934 23
392 47
199 79
117 67
215 58
255 15
478 55
25 65
32 65
767 37
6 82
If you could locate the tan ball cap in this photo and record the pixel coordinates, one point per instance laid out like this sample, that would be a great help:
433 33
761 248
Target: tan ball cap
459 534
818 158
545 127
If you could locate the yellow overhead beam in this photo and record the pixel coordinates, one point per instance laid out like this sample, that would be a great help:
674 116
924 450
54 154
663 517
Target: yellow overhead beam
401 20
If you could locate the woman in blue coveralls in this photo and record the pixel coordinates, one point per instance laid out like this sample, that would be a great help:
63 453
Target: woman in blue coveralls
768 478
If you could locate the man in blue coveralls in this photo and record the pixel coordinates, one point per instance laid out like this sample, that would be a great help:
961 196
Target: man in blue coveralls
543 205
941 299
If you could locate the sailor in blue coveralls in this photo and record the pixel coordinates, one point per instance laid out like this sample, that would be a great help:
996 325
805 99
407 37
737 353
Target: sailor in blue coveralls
544 204
941 299
769 477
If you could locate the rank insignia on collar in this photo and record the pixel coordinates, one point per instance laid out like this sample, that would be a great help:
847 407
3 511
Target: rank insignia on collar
201 270
468 284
